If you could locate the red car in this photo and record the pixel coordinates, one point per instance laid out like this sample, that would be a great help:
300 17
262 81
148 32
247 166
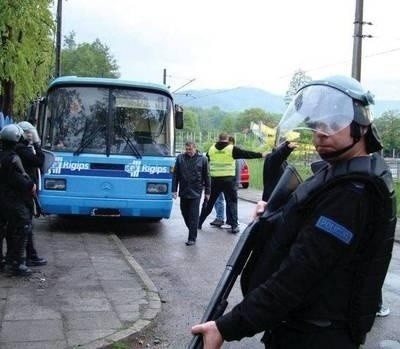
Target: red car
244 173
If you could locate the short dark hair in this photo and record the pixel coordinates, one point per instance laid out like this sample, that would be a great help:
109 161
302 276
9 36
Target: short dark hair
223 137
231 139
190 143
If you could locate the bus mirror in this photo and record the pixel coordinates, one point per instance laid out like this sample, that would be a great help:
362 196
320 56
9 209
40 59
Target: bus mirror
178 117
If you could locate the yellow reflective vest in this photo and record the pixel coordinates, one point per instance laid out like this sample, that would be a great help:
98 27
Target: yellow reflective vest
222 162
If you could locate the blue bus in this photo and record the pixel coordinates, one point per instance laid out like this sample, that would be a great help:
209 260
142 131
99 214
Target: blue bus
114 147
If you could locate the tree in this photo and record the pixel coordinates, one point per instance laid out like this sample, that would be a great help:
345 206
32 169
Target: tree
94 60
298 80
228 124
26 52
190 123
245 118
389 129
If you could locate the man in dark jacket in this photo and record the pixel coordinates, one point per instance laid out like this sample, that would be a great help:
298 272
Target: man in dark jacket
32 157
315 281
222 157
15 188
191 175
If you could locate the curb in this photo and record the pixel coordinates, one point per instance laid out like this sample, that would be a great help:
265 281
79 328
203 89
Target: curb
153 303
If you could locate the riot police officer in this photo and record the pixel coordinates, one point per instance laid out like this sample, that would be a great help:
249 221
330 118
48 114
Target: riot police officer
15 188
32 157
316 279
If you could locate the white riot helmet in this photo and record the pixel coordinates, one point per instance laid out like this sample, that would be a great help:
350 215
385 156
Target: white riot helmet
11 133
26 126
332 104
30 129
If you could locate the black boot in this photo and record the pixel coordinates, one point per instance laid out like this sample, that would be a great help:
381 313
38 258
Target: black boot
15 264
32 258
2 239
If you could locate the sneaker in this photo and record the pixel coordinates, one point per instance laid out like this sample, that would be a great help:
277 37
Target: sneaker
383 311
235 230
217 222
190 242
226 226
17 270
36 262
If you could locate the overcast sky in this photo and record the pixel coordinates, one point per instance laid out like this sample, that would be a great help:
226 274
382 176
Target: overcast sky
228 43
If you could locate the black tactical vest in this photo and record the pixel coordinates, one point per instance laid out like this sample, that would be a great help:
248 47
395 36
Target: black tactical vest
375 246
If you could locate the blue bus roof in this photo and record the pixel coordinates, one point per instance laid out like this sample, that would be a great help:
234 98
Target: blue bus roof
78 80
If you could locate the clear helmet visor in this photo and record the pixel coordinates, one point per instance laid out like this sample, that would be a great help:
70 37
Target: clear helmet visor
317 108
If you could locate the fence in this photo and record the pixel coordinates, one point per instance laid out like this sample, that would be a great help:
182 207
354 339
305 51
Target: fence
394 164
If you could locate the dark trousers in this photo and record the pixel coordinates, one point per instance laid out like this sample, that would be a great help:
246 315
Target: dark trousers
190 212
18 227
228 187
284 337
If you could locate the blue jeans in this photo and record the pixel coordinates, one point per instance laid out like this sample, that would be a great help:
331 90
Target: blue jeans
220 207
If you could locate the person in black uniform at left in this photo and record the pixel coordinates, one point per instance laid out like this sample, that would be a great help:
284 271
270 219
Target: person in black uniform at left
315 281
16 187
32 157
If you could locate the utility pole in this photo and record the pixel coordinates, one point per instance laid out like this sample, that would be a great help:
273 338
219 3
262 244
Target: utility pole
165 77
58 39
357 42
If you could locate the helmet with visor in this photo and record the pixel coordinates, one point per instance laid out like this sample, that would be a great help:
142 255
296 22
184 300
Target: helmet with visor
330 105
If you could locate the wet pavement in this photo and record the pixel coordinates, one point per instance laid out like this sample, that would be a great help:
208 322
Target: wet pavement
92 293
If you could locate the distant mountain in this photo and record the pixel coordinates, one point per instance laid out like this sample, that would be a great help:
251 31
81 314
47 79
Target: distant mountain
237 99
241 98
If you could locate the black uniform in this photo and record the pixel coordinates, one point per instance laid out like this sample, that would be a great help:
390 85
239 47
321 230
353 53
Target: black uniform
191 174
316 280
15 189
274 165
32 159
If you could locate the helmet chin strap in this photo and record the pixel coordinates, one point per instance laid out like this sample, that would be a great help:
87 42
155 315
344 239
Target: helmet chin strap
356 133
335 154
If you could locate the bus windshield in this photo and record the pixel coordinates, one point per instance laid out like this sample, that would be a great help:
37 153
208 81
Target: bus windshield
104 120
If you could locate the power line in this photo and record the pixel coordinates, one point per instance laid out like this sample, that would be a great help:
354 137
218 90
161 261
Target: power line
291 74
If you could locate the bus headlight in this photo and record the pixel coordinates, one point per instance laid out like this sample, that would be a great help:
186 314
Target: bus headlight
157 188
55 184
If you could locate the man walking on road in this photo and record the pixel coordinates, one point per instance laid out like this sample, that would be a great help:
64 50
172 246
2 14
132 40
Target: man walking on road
191 175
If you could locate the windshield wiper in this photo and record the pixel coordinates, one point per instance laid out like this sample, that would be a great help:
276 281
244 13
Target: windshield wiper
129 142
88 140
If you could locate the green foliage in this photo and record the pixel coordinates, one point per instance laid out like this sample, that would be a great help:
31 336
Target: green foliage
389 129
26 51
397 189
119 345
228 124
86 59
298 80
190 121
255 115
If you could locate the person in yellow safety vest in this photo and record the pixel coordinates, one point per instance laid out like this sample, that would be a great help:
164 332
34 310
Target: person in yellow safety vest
221 156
